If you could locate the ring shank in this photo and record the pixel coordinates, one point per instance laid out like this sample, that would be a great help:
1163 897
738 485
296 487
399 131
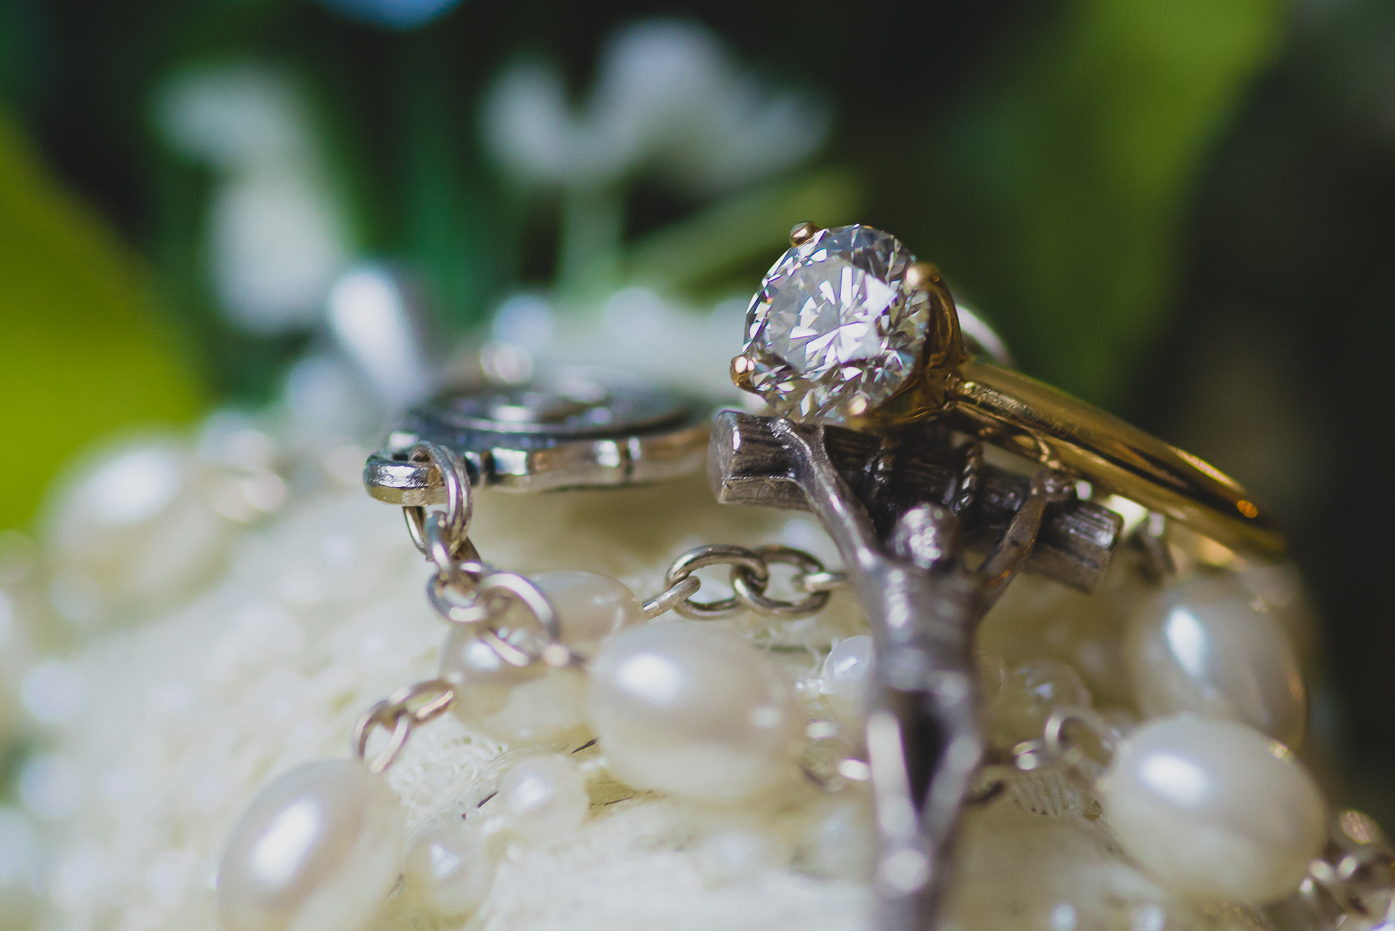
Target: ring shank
1023 415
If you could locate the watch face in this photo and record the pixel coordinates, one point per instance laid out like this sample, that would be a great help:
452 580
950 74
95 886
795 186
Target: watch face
569 405
570 430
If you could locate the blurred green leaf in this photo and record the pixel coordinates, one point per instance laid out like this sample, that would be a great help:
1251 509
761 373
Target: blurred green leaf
82 354
1060 194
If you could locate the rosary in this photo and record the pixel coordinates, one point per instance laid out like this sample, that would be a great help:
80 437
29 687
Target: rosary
881 420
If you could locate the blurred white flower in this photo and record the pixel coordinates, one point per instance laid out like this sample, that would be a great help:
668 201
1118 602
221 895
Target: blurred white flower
394 14
275 245
326 400
668 97
236 118
378 319
276 234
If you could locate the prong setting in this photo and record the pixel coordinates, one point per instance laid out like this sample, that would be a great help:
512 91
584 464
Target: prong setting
741 369
921 276
803 232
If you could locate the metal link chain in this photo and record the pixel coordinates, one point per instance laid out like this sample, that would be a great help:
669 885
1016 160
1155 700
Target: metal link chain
400 713
450 467
466 590
750 574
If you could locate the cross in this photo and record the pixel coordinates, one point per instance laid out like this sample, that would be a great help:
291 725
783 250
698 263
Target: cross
900 507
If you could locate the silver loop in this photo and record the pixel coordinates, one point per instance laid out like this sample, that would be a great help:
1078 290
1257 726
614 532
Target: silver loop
451 561
750 591
455 477
672 597
455 606
1060 749
714 555
506 651
404 710
521 590
829 580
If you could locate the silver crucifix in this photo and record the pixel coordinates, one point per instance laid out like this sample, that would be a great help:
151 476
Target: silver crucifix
900 507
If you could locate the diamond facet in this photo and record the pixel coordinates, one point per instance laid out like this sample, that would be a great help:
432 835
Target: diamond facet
834 330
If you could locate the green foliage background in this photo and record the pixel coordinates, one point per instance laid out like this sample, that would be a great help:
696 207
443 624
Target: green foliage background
1052 187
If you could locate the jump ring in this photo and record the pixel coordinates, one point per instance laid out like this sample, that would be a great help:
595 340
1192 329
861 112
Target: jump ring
672 597
753 596
750 591
400 711
401 730
463 608
1058 747
714 555
455 477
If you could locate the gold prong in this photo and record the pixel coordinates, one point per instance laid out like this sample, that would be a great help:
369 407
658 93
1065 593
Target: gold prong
741 368
922 275
803 232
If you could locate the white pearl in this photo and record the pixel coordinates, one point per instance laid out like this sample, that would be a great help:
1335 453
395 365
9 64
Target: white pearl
1028 695
449 868
686 709
544 797
1208 647
318 850
518 706
845 679
133 529
1214 809
537 704
591 608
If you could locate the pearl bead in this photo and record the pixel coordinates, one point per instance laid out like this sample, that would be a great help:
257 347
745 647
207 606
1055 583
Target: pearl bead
525 706
1028 695
1205 647
544 797
318 850
686 709
133 530
1213 809
537 705
591 608
844 682
449 869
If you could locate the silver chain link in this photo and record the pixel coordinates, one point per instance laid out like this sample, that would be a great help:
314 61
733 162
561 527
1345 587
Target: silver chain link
750 576
399 714
465 590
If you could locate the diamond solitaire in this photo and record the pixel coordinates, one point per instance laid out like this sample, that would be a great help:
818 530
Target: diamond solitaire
838 326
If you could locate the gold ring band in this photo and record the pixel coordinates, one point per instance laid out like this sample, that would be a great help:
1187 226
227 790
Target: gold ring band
829 336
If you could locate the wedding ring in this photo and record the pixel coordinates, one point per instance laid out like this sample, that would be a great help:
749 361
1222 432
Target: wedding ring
849 329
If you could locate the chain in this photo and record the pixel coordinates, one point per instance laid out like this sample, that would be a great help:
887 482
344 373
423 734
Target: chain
399 714
750 575
466 590
1058 748
449 467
